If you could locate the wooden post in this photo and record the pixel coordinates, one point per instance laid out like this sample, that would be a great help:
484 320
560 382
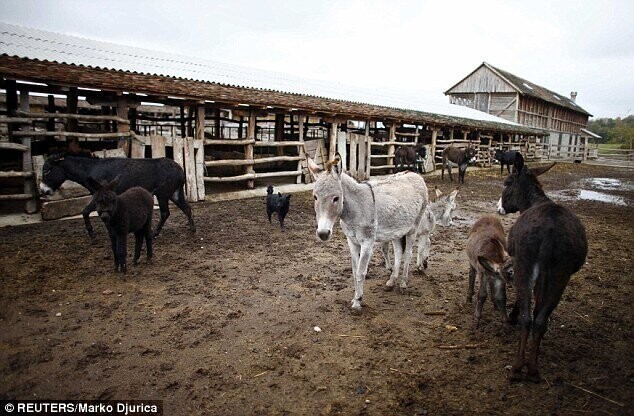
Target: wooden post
240 125
391 148
158 146
190 170
12 103
300 128
451 136
249 148
183 132
332 138
72 124
50 123
177 146
432 151
218 128
122 111
465 133
200 152
353 154
27 161
368 151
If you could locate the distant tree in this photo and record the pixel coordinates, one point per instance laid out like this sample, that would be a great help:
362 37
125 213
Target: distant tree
614 130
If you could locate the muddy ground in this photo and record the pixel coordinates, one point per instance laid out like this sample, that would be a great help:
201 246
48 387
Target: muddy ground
222 322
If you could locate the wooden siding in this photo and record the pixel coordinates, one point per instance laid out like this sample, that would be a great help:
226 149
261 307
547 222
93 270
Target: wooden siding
503 105
482 80
537 113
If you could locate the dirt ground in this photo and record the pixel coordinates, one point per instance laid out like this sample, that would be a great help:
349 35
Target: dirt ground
222 321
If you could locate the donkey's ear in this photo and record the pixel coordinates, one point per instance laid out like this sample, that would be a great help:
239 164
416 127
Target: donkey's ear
115 182
336 164
279 194
488 265
313 169
454 193
93 185
518 165
542 169
438 192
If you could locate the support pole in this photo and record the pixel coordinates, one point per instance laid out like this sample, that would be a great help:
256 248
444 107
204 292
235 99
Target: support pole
332 139
249 148
391 148
432 151
200 152
368 151
300 149
122 112
27 162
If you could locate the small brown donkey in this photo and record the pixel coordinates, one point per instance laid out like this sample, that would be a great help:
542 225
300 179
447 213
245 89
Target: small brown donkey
548 244
489 261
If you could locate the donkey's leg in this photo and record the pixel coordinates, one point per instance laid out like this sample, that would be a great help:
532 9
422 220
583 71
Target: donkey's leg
138 243
482 296
499 294
355 251
165 213
472 276
398 256
178 197
424 247
385 249
367 247
86 214
147 230
523 304
407 258
122 251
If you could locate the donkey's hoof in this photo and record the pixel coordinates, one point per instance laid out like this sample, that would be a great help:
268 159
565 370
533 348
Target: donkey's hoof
402 289
388 288
425 264
356 311
533 377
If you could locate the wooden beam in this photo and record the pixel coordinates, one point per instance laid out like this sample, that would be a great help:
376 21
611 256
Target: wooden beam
122 112
73 134
252 176
249 148
200 152
80 117
300 129
30 206
332 140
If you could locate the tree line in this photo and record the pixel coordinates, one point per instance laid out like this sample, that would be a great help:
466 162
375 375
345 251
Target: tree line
614 130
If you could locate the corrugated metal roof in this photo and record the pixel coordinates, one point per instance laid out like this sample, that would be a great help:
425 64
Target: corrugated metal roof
43 45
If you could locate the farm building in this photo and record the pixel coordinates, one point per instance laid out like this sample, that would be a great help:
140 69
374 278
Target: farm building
502 94
229 127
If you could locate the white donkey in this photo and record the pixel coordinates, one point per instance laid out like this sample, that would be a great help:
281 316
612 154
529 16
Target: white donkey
389 209
440 211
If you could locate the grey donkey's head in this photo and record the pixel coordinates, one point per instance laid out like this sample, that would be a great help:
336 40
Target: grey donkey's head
328 195
445 206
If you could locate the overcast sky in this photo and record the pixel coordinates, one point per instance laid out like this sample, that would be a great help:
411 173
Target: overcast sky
417 47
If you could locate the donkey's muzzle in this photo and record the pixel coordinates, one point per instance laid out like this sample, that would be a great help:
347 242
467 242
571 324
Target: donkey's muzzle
324 235
501 209
45 189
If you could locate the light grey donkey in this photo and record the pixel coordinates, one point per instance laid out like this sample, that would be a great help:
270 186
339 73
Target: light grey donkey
389 209
440 211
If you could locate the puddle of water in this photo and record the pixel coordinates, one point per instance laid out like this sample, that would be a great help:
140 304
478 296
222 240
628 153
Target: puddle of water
602 197
573 194
608 184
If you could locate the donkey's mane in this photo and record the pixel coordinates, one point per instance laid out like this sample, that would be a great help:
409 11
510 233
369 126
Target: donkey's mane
61 155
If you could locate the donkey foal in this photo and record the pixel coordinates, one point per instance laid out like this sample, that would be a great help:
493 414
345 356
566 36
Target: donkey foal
130 212
489 261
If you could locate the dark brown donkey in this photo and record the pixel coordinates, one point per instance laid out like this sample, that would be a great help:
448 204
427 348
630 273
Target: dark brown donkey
548 244
453 156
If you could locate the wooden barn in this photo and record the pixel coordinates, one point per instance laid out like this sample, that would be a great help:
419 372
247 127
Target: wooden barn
502 94
229 127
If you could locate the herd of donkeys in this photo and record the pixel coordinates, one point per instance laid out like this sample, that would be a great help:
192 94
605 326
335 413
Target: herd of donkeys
545 246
